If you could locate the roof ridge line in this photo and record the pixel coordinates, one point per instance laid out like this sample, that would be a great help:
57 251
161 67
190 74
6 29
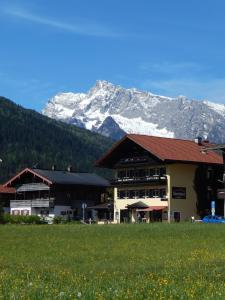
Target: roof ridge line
159 137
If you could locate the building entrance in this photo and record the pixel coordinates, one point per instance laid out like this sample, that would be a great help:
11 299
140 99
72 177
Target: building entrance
156 216
124 216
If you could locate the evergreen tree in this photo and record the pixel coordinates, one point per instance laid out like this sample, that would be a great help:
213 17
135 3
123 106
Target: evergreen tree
29 139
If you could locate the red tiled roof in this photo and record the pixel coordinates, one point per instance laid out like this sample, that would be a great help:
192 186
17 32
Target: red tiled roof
7 190
175 149
169 149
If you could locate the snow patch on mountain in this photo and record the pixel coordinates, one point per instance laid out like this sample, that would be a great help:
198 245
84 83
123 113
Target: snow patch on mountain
137 125
219 108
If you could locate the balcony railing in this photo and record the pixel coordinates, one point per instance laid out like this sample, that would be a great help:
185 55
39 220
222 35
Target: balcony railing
135 160
32 203
157 179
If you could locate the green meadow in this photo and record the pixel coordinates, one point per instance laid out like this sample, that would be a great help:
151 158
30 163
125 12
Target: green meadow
141 261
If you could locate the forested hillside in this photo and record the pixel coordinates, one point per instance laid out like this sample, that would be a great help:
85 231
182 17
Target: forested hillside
29 139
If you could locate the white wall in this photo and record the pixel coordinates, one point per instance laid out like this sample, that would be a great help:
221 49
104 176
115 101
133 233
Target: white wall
60 208
20 209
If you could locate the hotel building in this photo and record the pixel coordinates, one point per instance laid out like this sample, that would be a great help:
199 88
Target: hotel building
163 179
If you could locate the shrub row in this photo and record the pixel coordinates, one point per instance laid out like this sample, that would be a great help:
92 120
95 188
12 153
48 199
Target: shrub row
61 220
33 219
14 219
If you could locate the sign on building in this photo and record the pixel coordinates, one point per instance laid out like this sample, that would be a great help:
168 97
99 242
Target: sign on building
178 192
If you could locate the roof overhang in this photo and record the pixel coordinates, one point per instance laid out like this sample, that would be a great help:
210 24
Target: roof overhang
191 162
157 155
27 170
102 162
7 190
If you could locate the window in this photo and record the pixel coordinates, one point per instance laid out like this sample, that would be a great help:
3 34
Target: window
162 171
141 194
121 194
162 193
153 193
142 173
131 194
156 193
176 216
130 173
157 171
136 173
209 173
121 174
152 172
149 193
25 212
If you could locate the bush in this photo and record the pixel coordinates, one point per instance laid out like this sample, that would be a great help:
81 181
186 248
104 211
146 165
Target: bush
1 216
64 220
17 219
57 220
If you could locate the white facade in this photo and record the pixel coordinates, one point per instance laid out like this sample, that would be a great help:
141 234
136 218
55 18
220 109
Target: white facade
121 205
25 210
58 210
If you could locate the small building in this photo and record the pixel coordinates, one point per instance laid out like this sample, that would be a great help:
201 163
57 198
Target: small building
159 179
54 193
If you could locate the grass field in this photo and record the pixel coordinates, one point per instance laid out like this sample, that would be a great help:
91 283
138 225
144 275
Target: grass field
143 261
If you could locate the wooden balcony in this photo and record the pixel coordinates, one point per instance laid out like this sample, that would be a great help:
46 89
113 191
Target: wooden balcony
32 203
154 180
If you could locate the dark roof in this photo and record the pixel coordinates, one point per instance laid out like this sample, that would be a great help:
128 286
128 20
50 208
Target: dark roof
169 149
64 177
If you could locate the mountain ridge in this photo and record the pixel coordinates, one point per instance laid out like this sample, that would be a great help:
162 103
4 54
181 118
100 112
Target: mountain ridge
112 110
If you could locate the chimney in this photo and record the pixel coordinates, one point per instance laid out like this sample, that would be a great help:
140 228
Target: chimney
53 167
70 169
198 140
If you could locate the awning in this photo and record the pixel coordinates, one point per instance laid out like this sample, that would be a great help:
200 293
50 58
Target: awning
137 205
151 208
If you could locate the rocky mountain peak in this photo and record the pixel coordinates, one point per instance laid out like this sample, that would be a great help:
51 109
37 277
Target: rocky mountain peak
113 111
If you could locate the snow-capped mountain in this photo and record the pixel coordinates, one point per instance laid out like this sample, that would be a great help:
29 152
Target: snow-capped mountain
113 111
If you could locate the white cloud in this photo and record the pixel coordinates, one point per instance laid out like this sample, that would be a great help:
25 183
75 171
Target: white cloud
81 27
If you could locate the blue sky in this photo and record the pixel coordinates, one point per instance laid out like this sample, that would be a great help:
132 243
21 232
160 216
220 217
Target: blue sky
171 47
